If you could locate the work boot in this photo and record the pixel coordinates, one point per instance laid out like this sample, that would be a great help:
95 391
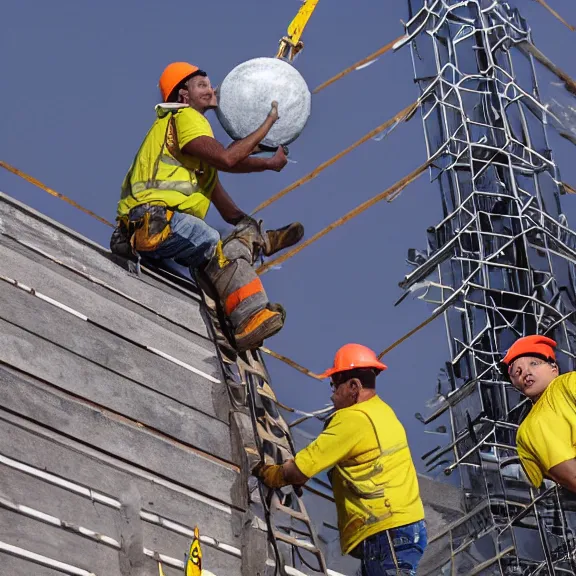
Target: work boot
262 325
276 240
247 231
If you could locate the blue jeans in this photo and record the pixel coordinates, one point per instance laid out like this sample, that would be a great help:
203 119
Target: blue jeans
191 242
408 543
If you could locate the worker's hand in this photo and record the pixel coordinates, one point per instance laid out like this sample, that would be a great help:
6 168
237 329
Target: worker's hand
278 161
270 474
273 114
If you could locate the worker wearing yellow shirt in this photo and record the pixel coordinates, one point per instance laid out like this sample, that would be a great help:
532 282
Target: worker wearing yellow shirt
169 188
380 513
546 439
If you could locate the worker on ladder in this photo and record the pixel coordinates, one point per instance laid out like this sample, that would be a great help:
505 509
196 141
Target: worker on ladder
546 438
168 190
375 486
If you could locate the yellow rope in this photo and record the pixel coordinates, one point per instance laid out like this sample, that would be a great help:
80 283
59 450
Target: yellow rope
555 14
529 48
347 71
290 362
393 190
53 192
406 336
568 188
400 117
307 372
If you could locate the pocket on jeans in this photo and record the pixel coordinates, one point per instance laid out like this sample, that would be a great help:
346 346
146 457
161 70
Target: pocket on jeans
401 540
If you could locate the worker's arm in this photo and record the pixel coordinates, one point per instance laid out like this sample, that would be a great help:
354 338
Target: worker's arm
292 473
214 154
565 474
336 443
279 475
225 205
252 164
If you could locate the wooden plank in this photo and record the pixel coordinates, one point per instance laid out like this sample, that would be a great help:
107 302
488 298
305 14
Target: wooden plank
85 379
33 229
109 433
46 450
26 490
37 271
64 546
98 305
101 355
22 489
13 566
69 547
58 544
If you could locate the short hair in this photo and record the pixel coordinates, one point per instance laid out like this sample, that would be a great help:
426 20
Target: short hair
367 376
174 94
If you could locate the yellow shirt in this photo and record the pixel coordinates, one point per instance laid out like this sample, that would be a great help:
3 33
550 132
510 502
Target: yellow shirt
374 480
547 436
162 174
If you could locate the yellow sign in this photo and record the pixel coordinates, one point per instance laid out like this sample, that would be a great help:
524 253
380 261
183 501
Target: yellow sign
194 560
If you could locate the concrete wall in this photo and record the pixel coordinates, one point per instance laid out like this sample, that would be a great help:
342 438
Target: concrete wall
114 417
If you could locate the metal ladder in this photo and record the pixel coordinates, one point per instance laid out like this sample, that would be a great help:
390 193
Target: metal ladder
265 436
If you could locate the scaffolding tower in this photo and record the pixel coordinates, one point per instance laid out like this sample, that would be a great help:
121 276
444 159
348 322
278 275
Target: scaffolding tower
500 265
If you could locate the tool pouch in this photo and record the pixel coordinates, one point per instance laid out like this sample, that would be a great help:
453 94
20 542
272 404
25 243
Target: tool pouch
148 230
120 241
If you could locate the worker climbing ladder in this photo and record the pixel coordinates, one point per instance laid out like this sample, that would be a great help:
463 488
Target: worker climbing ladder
266 438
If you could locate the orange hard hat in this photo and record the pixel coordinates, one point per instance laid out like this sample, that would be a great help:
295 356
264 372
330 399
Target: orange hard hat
172 76
352 356
535 345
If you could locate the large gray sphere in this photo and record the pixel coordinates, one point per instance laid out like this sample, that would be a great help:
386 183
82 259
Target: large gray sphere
246 94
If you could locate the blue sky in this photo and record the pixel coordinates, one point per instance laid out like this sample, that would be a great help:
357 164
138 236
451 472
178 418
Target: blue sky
79 86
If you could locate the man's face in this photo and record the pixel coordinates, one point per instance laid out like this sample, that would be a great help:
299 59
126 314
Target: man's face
344 393
199 94
532 375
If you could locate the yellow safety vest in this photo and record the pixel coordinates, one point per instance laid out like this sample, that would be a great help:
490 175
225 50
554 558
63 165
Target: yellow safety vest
376 491
162 175
372 473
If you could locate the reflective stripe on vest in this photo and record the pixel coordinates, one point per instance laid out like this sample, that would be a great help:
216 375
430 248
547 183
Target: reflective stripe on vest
183 186
169 160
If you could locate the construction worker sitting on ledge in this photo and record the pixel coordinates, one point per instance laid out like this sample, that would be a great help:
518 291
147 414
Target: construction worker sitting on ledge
546 438
168 190
380 513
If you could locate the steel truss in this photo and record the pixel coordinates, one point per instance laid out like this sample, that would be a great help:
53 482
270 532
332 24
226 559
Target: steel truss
500 265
